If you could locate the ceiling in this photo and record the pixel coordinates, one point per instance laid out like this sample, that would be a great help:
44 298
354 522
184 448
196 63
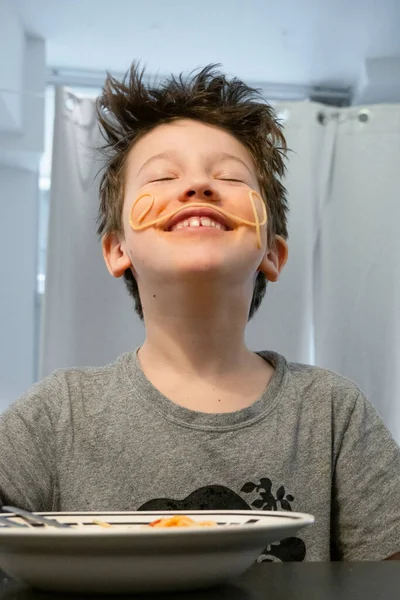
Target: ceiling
276 41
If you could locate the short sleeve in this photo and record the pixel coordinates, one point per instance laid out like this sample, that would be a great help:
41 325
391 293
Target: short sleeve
27 449
366 489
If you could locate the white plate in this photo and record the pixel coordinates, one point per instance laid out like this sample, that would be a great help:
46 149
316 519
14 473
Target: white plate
128 557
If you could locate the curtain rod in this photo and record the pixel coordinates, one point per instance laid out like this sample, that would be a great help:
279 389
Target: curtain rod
272 91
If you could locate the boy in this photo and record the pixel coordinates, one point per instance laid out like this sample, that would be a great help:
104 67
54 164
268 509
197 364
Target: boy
193 216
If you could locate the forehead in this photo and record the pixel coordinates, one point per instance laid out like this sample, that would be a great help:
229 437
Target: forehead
185 137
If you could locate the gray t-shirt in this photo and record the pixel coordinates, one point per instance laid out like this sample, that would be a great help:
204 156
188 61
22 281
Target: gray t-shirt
104 439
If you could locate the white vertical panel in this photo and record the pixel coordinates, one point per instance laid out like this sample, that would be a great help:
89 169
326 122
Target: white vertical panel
358 310
19 202
88 316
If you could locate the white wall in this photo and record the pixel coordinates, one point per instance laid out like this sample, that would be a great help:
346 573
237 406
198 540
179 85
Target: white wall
11 68
18 201
22 82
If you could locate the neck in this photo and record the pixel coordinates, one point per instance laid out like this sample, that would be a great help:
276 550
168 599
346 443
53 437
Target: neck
204 336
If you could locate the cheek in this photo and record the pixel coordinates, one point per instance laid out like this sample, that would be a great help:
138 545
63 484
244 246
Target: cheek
142 248
148 208
126 215
242 205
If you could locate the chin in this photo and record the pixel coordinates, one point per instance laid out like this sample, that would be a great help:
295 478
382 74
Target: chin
200 259
204 266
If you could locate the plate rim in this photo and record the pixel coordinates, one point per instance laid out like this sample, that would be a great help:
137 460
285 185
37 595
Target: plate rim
298 518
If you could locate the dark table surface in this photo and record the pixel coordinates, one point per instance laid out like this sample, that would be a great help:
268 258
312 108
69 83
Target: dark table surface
274 581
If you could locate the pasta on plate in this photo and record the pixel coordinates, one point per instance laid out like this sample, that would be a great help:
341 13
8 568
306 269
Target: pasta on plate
180 521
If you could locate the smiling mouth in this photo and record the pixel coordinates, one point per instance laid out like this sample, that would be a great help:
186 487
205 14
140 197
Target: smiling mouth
197 219
196 223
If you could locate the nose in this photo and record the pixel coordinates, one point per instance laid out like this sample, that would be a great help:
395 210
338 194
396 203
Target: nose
202 192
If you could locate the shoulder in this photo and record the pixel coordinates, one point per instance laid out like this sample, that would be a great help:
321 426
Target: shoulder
304 376
318 387
91 378
69 386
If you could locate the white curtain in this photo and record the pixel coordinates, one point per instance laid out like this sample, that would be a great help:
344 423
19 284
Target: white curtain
88 318
357 317
337 303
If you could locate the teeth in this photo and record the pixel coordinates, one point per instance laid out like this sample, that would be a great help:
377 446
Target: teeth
197 222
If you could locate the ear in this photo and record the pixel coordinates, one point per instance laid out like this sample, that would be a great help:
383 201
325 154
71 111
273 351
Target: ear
274 259
115 256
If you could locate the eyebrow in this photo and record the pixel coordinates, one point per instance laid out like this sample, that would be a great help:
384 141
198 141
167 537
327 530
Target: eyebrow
226 156
221 156
162 155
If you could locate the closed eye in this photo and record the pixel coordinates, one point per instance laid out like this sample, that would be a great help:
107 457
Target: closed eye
230 179
163 179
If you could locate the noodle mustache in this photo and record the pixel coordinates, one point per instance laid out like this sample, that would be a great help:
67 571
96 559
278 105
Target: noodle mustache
140 226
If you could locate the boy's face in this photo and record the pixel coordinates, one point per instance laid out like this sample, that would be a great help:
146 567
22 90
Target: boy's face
178 164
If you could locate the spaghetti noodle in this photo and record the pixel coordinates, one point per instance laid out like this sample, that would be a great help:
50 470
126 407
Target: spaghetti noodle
180 521
139 225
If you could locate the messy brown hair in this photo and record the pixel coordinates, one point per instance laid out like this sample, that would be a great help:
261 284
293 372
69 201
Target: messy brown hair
130 108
